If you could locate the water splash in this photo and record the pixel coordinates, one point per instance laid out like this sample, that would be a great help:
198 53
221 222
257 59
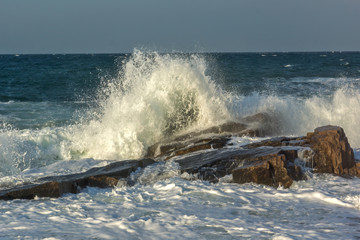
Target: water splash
296 116
154 96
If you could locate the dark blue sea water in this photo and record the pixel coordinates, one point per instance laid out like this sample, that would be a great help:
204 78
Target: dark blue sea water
62 114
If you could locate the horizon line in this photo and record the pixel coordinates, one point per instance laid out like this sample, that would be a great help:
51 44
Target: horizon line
186 52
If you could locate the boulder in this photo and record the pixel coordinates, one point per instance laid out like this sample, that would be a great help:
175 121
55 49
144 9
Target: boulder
273 166
333 153
268 170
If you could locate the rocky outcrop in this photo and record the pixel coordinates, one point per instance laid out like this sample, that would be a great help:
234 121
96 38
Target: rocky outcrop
102 177
270 166
210 138
333 153
209 156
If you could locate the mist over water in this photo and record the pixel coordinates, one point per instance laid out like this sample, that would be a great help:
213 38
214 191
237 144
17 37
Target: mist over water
152 96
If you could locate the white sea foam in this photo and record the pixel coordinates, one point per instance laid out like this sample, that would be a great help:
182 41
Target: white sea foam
325 207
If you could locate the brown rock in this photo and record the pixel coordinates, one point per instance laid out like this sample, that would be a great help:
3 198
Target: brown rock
101 181
357 168
30 191
180 148
278 142
268 170
333 153
273 166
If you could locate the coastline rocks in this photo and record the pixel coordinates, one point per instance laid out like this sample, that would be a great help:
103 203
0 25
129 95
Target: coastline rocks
208 155
102 177
272 166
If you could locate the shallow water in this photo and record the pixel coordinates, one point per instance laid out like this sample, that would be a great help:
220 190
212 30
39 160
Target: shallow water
321 208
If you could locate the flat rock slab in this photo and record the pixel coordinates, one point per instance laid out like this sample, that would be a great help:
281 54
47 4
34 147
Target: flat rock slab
56 186
272 166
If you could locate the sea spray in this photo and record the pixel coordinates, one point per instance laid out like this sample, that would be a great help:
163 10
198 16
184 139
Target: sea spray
154 96
297 116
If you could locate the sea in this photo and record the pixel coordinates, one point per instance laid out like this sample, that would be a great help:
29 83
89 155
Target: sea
67 113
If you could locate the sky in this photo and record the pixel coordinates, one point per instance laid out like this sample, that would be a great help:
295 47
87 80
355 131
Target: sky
119 26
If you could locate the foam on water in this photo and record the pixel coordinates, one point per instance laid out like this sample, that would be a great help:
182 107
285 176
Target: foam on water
324 207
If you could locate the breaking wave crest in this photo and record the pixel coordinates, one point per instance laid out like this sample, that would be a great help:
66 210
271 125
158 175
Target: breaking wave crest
296 116
154 96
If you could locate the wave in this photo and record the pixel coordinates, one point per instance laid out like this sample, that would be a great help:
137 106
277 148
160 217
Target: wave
296 116
153 96
157 95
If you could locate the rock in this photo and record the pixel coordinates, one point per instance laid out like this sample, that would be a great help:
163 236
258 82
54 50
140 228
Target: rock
274 162
100 181
280 141
268 170
180 148
357 167
213 137
267 166
333 153
30 191
103 177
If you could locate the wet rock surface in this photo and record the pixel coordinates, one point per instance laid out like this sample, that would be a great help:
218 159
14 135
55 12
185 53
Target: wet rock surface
333 153
207 155
107 176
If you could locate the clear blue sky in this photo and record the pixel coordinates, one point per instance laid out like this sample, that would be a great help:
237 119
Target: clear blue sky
115 26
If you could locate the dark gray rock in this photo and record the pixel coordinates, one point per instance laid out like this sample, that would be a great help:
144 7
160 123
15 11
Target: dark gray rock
107 176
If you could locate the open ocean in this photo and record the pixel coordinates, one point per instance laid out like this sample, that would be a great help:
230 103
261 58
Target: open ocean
61 114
